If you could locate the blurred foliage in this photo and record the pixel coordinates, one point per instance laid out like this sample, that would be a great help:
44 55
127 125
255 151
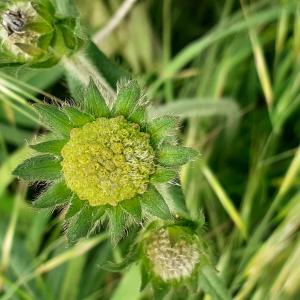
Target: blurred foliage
230 70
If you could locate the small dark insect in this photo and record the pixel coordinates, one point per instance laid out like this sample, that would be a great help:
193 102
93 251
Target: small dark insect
14 22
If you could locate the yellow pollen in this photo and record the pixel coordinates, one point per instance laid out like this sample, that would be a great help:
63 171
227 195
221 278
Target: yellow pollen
108 161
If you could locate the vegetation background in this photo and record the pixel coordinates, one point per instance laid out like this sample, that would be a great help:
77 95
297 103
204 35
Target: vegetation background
231 70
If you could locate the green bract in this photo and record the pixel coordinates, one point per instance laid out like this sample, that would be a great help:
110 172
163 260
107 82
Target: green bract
104 162
32 33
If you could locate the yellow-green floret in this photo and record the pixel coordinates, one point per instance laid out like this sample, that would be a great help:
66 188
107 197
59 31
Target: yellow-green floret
108 161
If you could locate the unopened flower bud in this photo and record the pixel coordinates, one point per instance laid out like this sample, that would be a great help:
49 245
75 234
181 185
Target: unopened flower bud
173 252
31 33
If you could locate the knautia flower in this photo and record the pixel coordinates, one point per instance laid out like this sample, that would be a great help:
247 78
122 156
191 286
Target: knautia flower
32 33
171 255
104 162
172 252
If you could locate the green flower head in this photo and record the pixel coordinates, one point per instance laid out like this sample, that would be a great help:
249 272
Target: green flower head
32 33
104 162
108 161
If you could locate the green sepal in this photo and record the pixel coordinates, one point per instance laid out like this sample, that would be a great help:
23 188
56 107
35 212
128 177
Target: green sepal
163 175
94 102
117 223
56 194
58 42
39 27
29 49
160 289
127 99
192 283
42 167
145 275
153 203
133 208
44 41
83 222
53 147
45 9
54 119
170 155
77 118
69 37
46 63
162 127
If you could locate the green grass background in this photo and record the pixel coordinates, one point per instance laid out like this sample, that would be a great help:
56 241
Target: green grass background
231 70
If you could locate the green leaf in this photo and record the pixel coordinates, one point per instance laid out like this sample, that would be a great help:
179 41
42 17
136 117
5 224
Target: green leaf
53 147
212 284
127 98
56 194
43 167
133 208
83 222
117 223
110 71
94 102
162 127
77 118
54 119
162 175
153 203
170 155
